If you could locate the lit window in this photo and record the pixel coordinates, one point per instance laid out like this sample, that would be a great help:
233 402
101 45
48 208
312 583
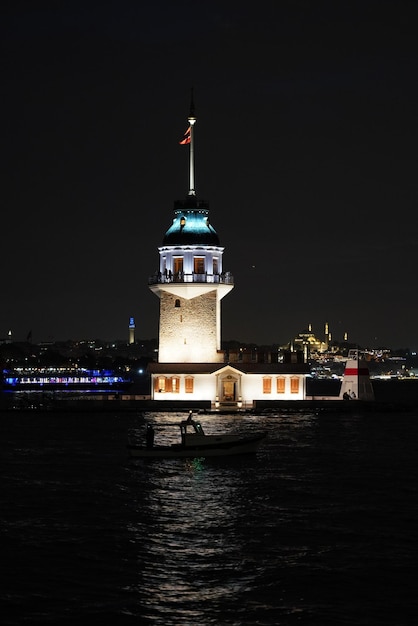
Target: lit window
178 265
294 385
175 384
281 384
159 384
266 385
199 265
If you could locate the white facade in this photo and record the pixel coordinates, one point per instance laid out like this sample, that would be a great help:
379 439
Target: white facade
226 384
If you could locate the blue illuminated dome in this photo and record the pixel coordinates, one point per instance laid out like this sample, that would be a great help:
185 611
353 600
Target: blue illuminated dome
191 225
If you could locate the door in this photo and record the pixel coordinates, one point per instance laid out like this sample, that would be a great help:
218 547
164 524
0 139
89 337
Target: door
228 390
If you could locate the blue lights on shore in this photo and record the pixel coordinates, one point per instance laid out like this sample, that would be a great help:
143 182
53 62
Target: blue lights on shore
62 378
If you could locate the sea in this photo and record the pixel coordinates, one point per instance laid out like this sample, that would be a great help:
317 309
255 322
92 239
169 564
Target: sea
318 528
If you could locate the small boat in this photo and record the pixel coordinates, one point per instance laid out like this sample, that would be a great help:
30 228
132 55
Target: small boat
195 443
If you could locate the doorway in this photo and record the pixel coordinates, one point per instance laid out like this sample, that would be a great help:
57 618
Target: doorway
228 390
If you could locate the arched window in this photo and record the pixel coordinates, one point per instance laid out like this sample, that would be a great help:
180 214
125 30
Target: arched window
177 303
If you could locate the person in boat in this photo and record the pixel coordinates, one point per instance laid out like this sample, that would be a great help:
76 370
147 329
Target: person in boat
190 417
149 436
346 396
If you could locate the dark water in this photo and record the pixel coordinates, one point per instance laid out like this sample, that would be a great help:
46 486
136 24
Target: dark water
319 528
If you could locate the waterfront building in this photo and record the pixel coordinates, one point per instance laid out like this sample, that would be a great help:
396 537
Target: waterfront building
190 283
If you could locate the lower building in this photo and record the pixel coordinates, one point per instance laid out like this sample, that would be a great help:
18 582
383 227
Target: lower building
238 385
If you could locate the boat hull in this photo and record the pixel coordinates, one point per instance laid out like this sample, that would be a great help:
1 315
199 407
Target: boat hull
233 447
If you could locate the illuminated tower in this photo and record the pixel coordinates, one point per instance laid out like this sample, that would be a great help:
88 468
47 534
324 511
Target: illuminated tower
131 330
190 282
327 337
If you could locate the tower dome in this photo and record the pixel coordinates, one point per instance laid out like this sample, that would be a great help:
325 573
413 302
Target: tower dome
191 225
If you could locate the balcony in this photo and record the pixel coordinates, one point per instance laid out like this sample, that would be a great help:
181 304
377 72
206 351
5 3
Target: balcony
225 278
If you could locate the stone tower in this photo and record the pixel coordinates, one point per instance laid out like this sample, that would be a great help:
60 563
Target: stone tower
190 281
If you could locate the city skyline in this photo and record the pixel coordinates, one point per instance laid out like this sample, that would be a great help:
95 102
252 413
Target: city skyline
305 151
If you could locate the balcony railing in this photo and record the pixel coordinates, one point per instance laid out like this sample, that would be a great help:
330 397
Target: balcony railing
224 279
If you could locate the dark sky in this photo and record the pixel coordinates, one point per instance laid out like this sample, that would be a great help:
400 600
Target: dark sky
306 150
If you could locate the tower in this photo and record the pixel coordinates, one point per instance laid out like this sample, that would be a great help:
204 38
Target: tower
356 383
131 330
190 282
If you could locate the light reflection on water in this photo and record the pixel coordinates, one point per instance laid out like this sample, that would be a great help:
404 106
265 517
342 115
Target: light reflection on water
263 539
314 529
191 511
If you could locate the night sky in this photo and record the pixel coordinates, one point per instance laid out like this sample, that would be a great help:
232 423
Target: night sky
306 150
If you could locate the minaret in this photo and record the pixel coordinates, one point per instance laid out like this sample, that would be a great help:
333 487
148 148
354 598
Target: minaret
327 337
190 282
131 330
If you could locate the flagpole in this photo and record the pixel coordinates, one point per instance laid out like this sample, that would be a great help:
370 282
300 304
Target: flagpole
192 122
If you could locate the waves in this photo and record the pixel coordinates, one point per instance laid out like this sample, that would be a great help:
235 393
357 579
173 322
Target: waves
318 528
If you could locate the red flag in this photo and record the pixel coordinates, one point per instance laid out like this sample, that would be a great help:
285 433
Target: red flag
186 138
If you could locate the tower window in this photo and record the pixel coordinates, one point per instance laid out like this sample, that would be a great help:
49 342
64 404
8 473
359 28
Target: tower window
177 265
177 303
199 265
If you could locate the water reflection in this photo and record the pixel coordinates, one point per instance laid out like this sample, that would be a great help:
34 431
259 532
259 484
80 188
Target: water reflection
276 538
313 529
206 530
185 533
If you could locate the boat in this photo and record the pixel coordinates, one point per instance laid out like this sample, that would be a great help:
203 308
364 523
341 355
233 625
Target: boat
195 443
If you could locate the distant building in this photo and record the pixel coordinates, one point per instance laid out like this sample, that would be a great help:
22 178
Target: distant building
308 343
